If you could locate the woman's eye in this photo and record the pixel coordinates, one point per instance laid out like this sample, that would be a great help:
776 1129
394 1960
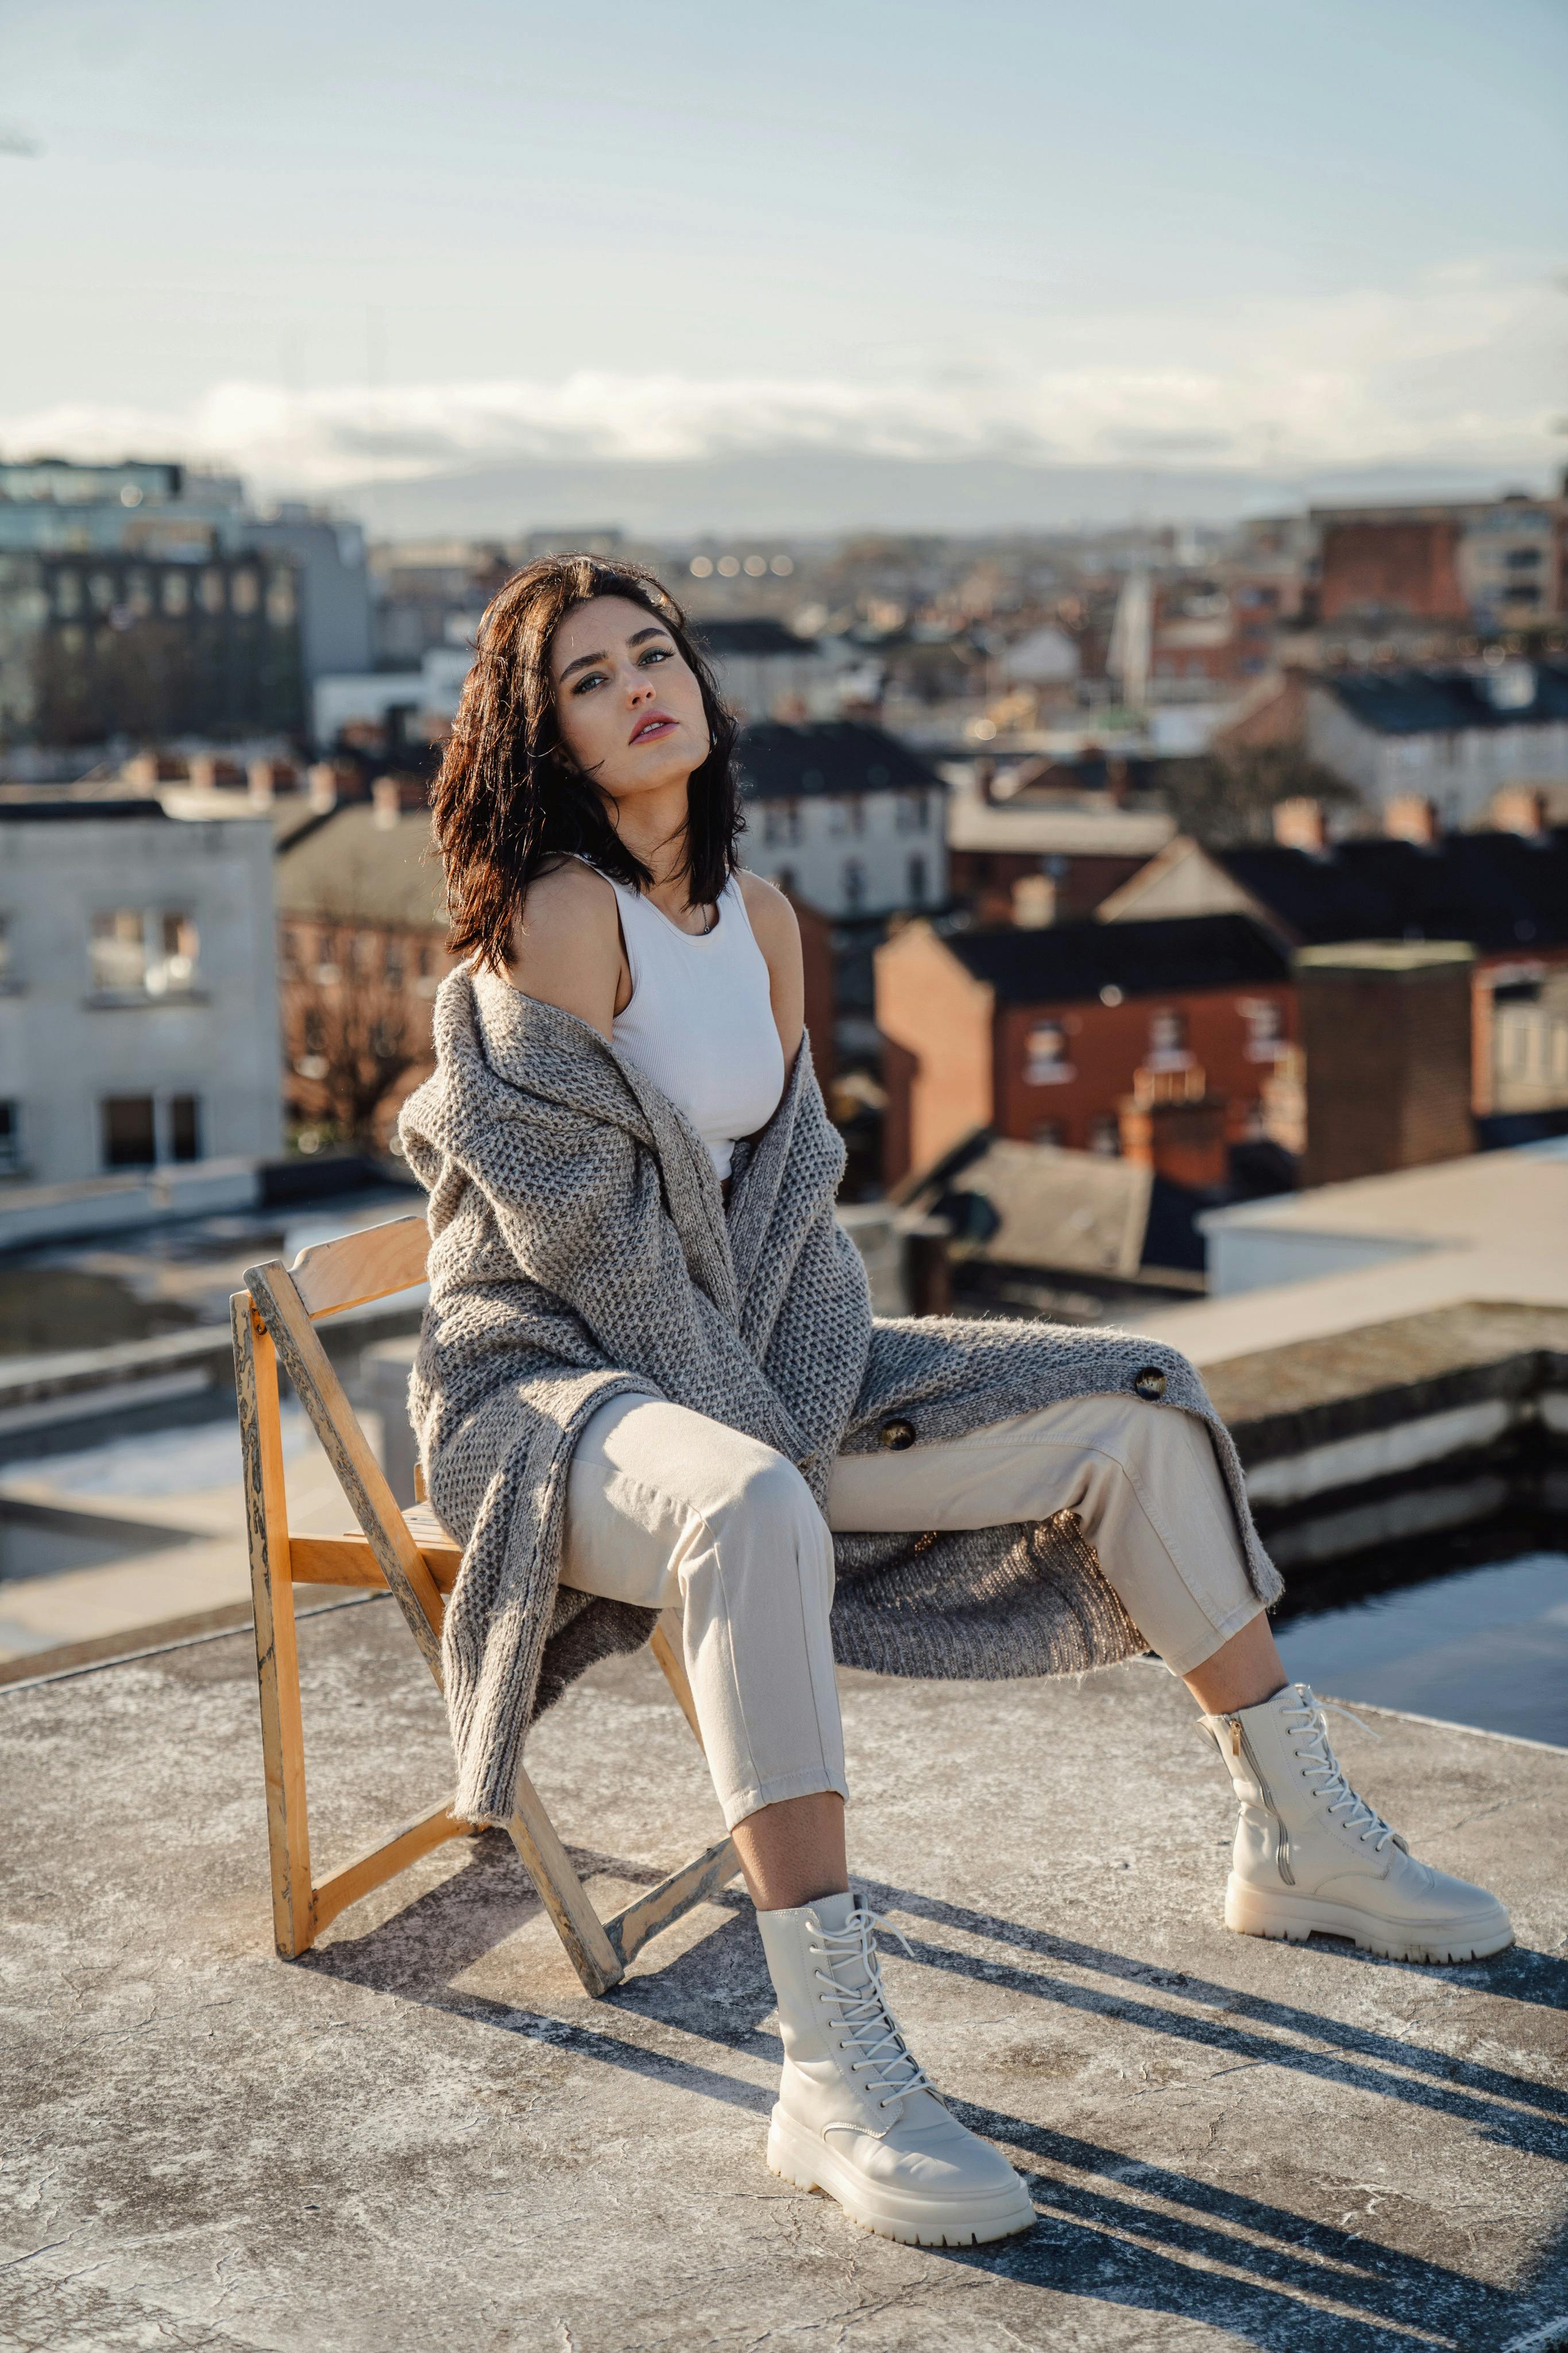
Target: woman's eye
585 685
655 654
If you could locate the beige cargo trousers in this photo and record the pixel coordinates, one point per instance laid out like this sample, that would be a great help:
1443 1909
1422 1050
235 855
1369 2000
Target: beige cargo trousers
672 1511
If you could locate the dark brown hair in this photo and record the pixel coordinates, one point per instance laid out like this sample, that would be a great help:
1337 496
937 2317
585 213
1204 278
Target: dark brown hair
509 799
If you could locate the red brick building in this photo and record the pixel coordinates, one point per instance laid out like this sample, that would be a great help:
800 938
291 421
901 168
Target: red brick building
1157 1038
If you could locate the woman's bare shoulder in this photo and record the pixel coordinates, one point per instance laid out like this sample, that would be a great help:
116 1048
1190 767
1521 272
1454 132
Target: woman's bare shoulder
566 946
772 918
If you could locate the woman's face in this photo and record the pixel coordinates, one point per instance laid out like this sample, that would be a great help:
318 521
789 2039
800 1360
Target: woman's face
628 708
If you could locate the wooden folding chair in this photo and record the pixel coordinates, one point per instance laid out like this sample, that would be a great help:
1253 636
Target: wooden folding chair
274 1323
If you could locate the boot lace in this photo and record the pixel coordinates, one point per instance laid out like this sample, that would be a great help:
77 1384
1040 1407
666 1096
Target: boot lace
1323 1771
865 2020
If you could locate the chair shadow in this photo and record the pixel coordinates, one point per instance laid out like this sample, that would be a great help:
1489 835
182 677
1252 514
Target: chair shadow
1111 2229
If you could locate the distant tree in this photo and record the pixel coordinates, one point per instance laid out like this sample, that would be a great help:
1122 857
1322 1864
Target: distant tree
353 1030
1228 798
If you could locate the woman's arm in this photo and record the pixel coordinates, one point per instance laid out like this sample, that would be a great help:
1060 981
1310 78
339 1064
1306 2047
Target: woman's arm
777 934
566 945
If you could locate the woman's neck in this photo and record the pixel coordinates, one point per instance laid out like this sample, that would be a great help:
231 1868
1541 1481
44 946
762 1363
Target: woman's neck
652 826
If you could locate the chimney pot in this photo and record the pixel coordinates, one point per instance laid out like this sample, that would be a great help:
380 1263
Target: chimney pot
1519 808
388 803
1299 824
1411 817
262 777
321 784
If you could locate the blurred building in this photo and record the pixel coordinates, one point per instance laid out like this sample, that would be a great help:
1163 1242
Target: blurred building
1504 892
142 600
362 933
765 672
1156 1039
1478 566
1045 839
842 815
1456 736
138 987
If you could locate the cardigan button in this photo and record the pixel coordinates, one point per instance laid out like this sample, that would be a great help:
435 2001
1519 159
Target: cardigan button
898 1434
1150 1384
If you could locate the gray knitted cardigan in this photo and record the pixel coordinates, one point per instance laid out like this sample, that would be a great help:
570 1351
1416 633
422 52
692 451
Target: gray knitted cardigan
582 1248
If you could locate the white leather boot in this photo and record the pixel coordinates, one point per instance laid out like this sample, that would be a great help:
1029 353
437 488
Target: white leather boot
856 2115
1312 1855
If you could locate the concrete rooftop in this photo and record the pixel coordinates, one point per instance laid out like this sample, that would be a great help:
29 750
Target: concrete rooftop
425 2135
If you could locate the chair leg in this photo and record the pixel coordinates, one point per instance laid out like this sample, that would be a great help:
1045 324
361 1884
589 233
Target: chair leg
665 1644
561 1893
277 1654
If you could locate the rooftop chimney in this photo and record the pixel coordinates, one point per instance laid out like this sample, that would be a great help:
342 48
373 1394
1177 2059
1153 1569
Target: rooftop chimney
1411 817
321 785
1387 1031
262 777
388 803
1034 903
1519 808
1299 825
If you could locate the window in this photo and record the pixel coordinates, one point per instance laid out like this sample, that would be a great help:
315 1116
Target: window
912 812
392 964
10 1138
1053 1132
67 594
315 1031
134 953
244 592
176 593
212 592
848 814
1046 1056
917 880
184 1127
130 1137
1264 1028
120 954
1105 1134
785 878
7 975
172 965
781 822
854 885
1168 1041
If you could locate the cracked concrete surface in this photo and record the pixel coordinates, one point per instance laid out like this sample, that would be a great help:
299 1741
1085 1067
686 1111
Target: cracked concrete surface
424 2134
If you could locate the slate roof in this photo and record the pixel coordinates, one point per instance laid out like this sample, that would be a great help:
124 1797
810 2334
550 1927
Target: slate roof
757 636
1499 891
1442 702
1066 963
778 761
346 866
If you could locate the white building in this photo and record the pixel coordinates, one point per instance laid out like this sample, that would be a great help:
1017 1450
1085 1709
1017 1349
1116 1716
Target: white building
1455 736
138 988
844 816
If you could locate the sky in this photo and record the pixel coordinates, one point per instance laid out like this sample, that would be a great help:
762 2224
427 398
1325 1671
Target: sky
339 245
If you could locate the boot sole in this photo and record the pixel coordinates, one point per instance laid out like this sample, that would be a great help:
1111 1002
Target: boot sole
800 2157
1293 1918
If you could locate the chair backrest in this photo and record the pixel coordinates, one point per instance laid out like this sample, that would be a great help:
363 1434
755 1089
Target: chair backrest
357 1268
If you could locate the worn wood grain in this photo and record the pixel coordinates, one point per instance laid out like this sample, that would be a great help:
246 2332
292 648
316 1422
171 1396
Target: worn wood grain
628 1931
371 1264
348 1450
379 1863
561 1893
277 1655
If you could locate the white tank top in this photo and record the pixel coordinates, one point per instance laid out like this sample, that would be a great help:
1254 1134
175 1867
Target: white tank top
699 1021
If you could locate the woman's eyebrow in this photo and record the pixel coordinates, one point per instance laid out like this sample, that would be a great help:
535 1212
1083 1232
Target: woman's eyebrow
640 638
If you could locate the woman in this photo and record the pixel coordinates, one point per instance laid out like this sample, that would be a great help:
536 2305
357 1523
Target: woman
650 1380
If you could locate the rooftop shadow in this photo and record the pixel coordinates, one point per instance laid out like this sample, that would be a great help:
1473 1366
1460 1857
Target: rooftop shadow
1111 2228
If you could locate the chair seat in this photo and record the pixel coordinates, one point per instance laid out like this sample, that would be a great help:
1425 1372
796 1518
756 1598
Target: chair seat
347 1560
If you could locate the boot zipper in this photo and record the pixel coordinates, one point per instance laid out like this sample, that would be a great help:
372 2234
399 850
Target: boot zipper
1241 1746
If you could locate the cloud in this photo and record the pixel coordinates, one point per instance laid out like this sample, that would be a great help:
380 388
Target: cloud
1458 370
